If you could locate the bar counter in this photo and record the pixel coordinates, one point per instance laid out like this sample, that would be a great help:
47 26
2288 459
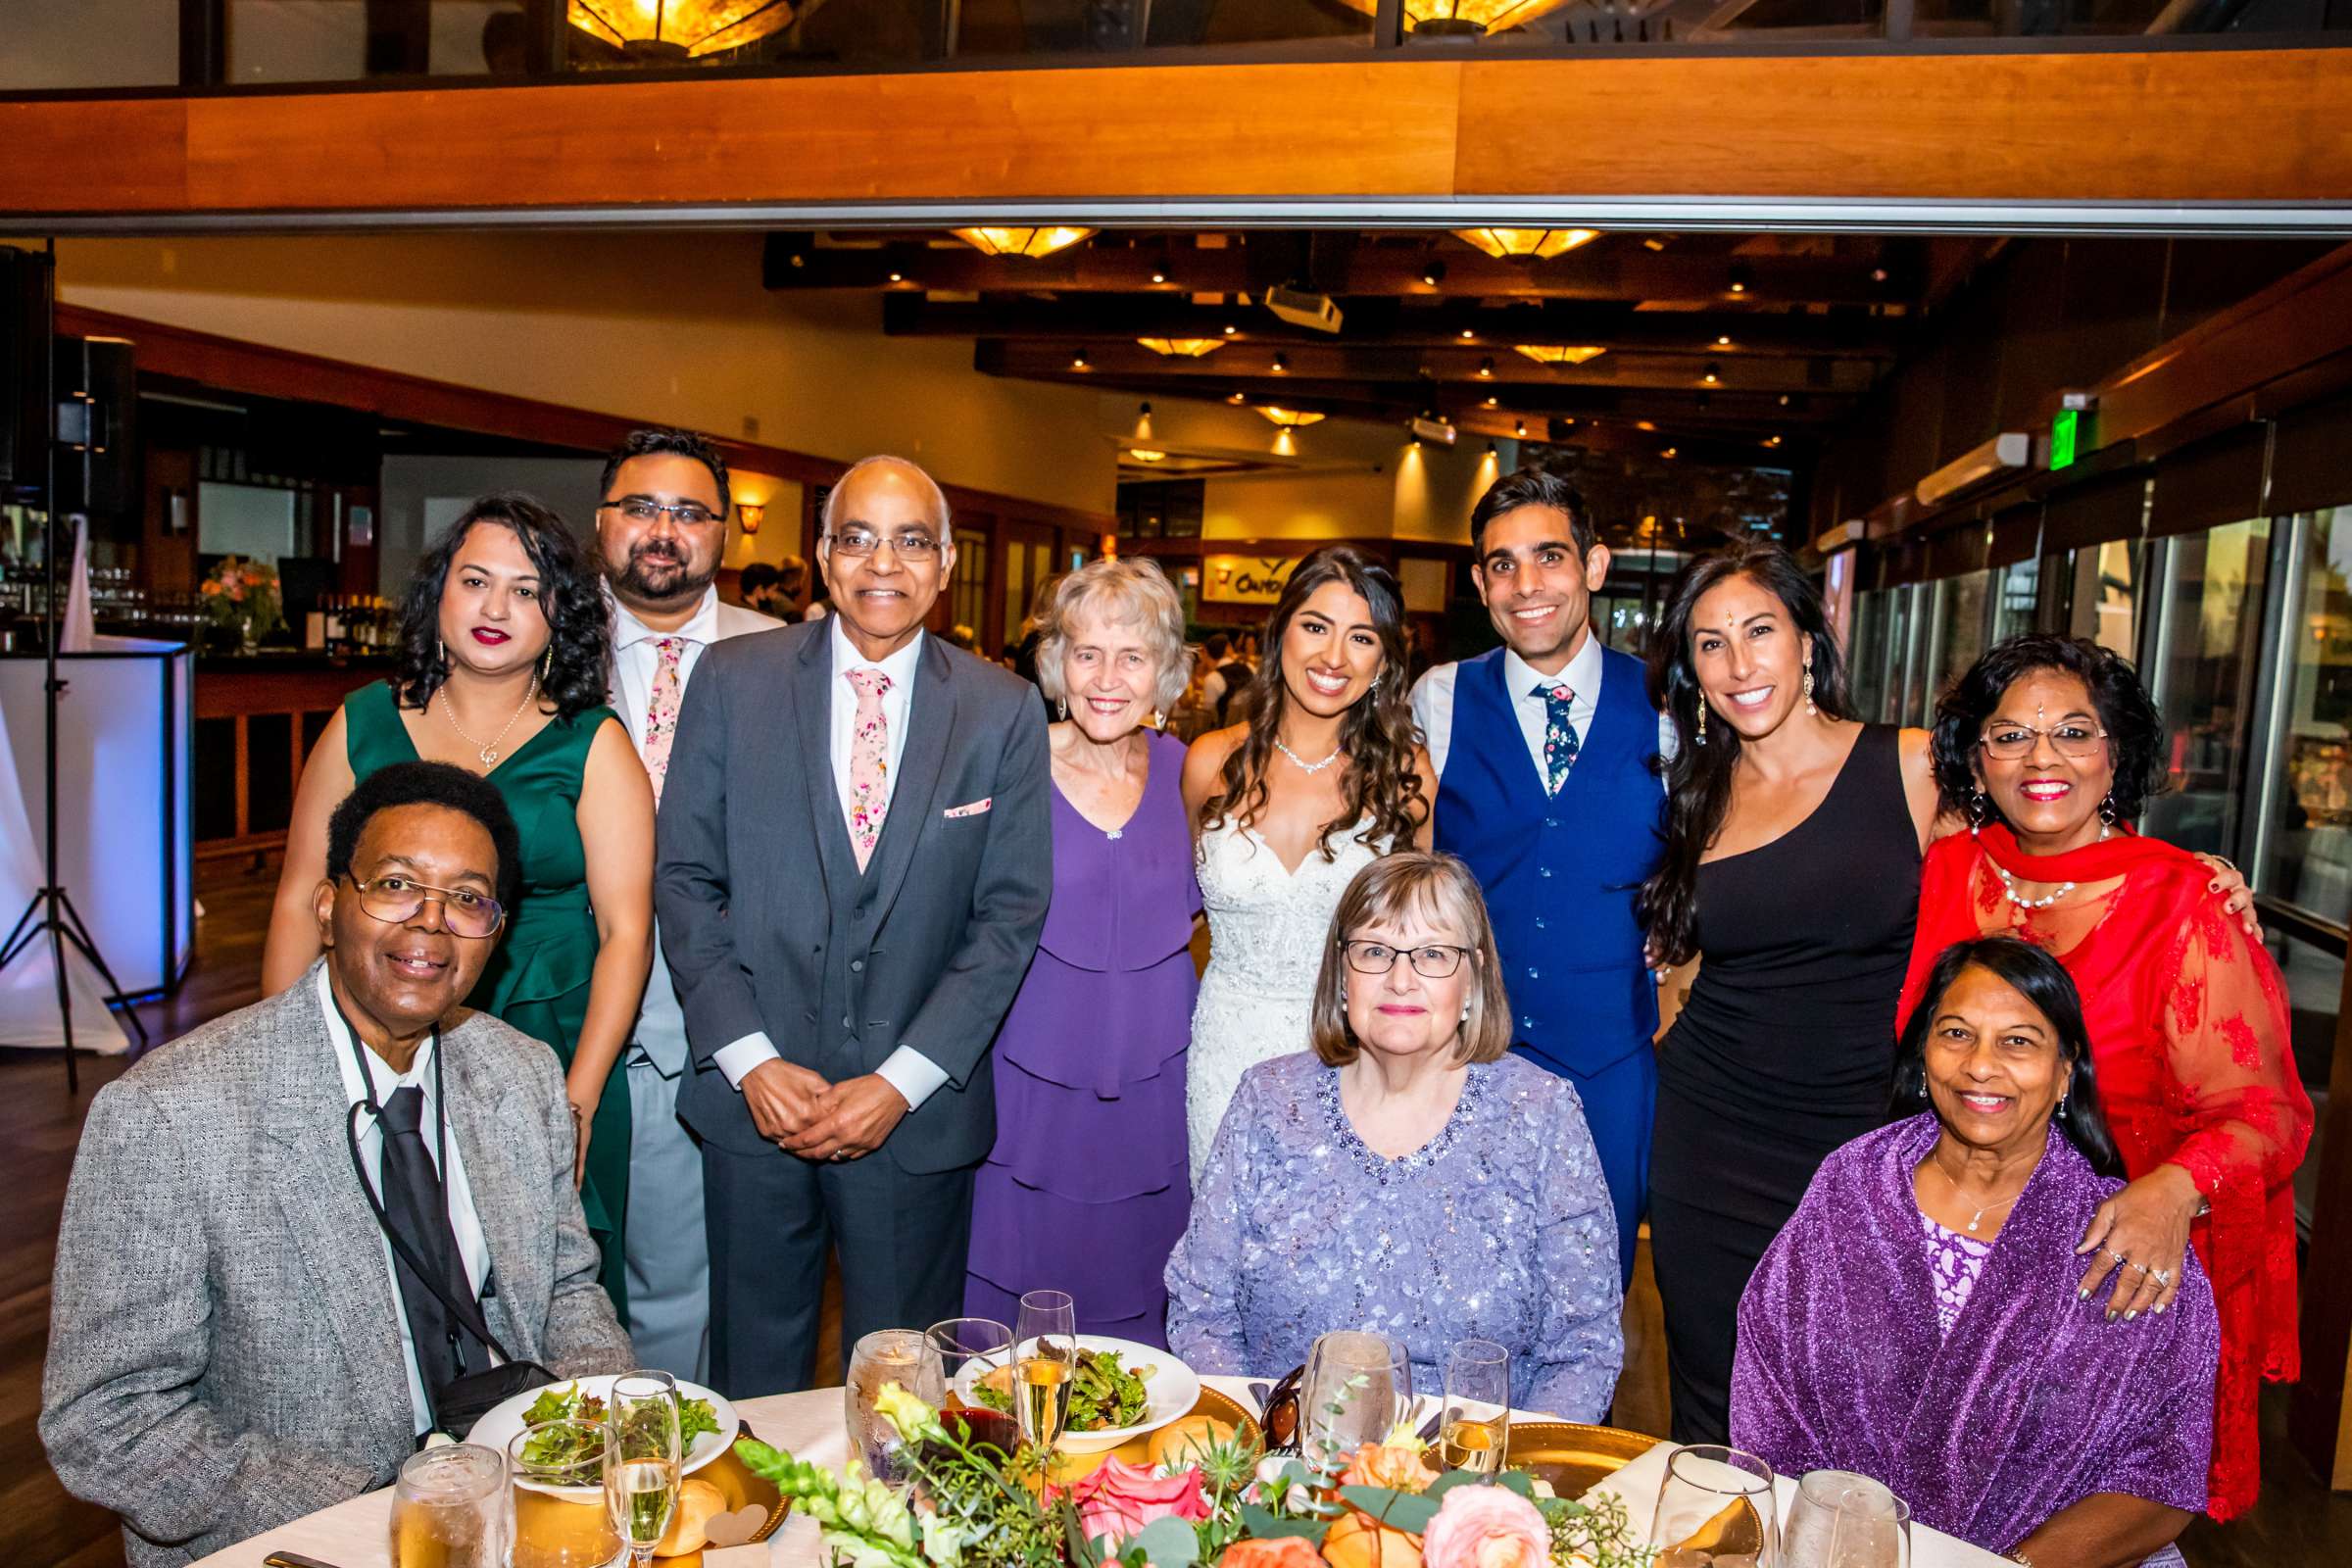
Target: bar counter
257 718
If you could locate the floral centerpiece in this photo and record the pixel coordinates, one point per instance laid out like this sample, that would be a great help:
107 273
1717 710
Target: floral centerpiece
1211 1504
242 596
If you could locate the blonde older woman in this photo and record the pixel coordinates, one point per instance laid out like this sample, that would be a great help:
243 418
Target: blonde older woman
1087 1180
1409 1175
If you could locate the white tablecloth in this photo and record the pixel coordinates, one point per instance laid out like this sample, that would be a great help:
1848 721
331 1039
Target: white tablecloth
354 1534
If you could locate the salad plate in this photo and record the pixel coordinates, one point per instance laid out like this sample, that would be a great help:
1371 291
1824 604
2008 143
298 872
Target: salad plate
1104 1388
498 1428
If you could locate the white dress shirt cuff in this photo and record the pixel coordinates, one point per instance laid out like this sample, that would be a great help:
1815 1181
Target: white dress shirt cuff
738 1059
915 1076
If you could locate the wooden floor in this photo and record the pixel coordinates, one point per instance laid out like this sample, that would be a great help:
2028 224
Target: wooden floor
2298 1522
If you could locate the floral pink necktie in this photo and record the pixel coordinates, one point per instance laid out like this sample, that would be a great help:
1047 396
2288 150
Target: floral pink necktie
869 764
661 711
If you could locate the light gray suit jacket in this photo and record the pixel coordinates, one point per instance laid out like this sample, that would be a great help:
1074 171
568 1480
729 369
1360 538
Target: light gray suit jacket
224 1336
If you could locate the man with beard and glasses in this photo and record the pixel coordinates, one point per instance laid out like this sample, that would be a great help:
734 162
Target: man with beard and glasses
660 532
1544 751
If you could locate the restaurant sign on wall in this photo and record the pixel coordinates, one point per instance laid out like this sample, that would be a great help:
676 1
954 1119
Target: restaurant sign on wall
1245 579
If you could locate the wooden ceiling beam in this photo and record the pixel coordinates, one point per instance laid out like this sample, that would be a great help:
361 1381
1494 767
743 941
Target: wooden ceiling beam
1502 367
1599 271
1107 319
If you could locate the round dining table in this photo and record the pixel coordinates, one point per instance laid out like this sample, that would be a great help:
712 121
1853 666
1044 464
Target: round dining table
813 1426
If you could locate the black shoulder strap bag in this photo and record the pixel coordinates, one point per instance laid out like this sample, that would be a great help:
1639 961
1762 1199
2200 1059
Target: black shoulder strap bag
461 1402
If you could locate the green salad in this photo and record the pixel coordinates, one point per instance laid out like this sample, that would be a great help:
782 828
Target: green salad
1104 1394
570 1451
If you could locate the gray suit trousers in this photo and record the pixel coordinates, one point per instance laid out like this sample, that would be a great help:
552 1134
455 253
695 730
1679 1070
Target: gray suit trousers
668 1258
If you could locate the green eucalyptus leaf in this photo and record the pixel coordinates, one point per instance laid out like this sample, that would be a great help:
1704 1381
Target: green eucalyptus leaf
1266 1526
1400 1510
1167 1543
1450 1479
1518 1481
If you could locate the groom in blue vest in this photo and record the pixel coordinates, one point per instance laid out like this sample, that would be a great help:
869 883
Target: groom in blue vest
1543 750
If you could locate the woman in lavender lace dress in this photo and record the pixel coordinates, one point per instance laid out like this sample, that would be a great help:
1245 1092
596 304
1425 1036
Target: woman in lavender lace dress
1407 1176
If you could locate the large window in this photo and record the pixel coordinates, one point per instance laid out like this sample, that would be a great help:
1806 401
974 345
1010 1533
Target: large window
1959 632
2019 591
2307 842
2106 594
1866 655
2204 680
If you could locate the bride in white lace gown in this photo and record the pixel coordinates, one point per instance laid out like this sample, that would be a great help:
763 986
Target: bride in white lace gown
1325 776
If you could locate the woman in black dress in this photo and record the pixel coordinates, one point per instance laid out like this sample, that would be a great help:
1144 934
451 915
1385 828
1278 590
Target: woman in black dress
1792 868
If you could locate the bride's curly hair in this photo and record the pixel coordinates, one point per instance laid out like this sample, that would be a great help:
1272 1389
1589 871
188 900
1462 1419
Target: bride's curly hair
1377 735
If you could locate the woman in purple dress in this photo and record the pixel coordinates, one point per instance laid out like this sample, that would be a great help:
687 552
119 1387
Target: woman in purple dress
1086 1190
1920 1320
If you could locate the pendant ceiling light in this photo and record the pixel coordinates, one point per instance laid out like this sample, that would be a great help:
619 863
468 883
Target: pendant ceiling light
1560 353
1188 348
1030 242
1290 419
678 29
1531 244
1466 17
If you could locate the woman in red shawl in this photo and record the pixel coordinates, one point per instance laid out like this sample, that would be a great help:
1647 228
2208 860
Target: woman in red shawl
2049 746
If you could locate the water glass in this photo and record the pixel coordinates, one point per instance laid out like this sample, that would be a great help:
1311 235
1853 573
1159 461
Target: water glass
449 1509
642 1470
1358 1385
1045 1349
1718 1500
905 1358
963 1341
560 1515
1841 1519
1476 1415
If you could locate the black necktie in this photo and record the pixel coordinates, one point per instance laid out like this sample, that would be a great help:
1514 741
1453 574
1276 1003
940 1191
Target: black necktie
415 1211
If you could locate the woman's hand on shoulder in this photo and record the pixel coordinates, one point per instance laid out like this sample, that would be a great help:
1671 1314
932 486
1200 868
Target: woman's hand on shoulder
2236 895
2140 1235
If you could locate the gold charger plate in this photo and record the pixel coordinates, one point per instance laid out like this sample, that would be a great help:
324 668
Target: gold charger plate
1070 1467
1571 1456
742 1490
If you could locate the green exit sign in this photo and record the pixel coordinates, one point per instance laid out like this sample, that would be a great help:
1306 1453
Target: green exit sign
2062 438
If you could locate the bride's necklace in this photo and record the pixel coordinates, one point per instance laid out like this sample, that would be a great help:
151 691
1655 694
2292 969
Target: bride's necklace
488 751
2009 886
1303 766
1979 1214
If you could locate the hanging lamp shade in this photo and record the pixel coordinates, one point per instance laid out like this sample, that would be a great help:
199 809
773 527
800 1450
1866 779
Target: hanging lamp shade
1466 17
1187 348
677 29
1560 353
1290 419
1031 242
1532 244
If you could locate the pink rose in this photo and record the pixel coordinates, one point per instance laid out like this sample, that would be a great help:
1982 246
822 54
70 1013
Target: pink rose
1119 1500
1485 1526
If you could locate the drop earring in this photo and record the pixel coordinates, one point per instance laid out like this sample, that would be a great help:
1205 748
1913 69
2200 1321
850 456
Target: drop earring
1809 707
2107 808
1702 721
1160 720
1979 811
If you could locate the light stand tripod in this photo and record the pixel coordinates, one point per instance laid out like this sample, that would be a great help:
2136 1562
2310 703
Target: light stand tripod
51 912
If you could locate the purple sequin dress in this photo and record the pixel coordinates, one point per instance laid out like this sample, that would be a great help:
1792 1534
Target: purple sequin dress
1499 1228
1085 1190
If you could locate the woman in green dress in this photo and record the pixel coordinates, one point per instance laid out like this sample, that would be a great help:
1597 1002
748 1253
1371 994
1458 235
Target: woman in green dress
503 659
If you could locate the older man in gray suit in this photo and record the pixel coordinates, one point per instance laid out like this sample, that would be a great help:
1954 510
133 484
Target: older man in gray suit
852 864
234 1342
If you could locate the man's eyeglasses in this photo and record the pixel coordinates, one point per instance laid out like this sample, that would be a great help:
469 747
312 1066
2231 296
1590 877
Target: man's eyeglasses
685 514
909 544
1433 961
2010 743
395 900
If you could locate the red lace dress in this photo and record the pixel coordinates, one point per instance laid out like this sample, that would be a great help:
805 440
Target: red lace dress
2190 1030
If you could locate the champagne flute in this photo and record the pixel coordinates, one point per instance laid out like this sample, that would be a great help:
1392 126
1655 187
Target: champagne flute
1477 1407
905 1358
641 1459
1045 1347
1357 1386
449 1509
1843 1519
1718 1500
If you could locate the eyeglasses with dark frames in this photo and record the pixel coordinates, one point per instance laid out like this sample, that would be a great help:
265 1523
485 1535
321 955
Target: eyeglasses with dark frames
396 900
644 509
1432 961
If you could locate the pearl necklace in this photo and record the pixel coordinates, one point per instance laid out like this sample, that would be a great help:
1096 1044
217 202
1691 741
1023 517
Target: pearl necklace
2009 886
1303 766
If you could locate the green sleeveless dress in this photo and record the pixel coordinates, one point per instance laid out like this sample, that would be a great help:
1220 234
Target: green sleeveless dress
538 978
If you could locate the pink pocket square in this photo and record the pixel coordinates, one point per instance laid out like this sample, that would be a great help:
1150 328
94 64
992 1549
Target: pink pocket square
973 810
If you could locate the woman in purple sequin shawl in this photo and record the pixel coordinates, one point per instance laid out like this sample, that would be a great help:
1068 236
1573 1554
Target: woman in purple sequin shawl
1917 1319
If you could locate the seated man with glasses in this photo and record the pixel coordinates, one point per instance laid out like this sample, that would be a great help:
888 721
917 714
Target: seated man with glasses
292 1231
1406 1173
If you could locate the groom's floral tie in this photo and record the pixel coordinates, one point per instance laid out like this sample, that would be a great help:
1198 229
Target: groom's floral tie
1559 736
869 764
